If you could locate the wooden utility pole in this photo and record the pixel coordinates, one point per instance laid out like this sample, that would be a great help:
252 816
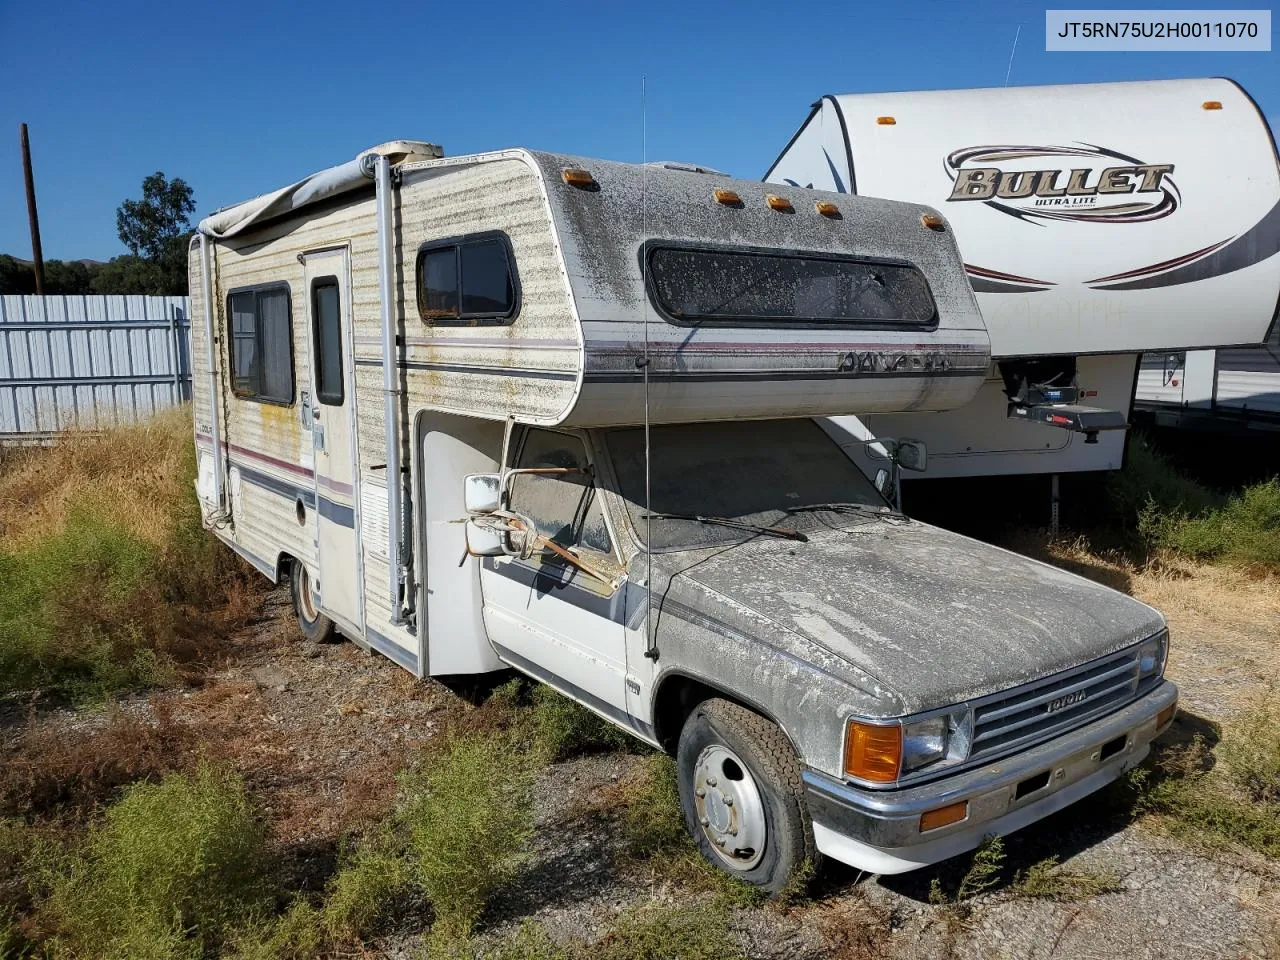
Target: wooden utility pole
37 256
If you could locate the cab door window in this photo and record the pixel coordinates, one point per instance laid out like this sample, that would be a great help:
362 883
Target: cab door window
564 506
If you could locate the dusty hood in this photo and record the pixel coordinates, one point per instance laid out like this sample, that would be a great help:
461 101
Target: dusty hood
933 616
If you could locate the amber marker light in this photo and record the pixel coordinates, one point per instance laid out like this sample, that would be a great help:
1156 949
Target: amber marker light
873 752
943 816
1212 105
728 198
576 177
1166 715
933 221
827 208
776 202
886 121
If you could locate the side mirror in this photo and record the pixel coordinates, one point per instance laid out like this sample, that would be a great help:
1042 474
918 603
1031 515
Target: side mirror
481 494
483 541
911 455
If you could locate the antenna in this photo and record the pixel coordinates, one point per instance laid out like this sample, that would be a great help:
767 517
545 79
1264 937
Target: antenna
650 646
1009 70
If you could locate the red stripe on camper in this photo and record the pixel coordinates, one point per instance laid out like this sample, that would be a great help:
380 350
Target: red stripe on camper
248 454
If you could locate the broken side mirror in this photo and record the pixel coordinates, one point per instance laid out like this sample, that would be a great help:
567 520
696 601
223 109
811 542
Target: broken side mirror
481 492
483 541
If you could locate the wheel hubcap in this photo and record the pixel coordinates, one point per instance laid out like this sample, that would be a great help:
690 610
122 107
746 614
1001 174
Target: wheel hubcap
730 811
306 602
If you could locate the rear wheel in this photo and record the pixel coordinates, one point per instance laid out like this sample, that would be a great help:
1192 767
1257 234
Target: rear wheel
315 626
742 795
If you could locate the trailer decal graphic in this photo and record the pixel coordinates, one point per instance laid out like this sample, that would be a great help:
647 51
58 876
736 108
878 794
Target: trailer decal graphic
1087 185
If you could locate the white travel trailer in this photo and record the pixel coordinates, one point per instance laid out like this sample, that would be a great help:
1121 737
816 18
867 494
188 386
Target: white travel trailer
1097 222
528 410
1233 391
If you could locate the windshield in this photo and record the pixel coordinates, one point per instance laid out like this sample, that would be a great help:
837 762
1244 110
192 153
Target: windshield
752 471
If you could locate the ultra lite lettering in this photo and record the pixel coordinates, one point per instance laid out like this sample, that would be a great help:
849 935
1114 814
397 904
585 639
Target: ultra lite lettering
992 183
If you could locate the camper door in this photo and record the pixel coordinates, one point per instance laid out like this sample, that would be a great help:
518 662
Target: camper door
332 407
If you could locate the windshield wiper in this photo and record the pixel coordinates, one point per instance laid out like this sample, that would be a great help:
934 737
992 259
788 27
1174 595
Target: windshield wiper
785 532
885 512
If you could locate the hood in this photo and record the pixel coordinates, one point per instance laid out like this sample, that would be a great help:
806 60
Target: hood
934 617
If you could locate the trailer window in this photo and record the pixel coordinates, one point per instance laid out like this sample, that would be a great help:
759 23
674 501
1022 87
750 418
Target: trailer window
565 507
753 288
326 320
471 280
261 344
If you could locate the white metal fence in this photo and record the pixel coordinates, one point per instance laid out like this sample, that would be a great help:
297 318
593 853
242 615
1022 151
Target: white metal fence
90 361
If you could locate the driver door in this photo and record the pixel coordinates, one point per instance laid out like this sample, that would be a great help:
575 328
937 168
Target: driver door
544 615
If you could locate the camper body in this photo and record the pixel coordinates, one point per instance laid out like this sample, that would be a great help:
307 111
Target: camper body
528 410
1096 222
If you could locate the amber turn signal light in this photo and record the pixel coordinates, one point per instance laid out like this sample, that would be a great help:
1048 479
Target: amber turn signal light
886 121
728 198
944 816
1166 715
933 221
873 752
1212 105
827 208
576 177
776 202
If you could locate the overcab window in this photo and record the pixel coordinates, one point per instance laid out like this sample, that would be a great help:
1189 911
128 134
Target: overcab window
470 280
757 288
261 344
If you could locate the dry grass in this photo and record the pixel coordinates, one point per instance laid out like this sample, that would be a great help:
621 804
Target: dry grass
129 474
46 770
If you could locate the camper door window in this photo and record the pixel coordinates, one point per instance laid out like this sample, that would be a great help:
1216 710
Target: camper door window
261 343
765 288
468 280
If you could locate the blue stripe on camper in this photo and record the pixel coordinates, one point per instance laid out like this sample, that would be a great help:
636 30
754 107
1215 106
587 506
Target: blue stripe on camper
626 605
338 513
575 691
391 650
274 484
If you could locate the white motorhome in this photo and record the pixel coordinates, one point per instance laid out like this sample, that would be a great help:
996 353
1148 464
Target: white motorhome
1096 221
534 411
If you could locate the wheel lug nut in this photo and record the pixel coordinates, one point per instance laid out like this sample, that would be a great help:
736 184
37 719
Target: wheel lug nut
700 792
705 822
711 781
728 801
719 841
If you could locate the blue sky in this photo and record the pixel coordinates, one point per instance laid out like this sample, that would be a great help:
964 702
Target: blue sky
242 97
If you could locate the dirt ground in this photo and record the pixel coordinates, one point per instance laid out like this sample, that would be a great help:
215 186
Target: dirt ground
320 731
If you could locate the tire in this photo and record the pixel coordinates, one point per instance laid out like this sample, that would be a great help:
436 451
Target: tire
315 626
729 753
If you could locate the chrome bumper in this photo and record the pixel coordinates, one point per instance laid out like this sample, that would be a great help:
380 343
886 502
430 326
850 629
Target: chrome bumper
880 830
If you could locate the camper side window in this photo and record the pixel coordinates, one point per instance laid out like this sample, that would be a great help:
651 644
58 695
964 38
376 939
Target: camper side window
261 344
468 280
566 506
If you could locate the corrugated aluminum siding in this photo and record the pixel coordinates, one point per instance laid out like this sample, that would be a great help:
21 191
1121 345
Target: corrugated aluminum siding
90 361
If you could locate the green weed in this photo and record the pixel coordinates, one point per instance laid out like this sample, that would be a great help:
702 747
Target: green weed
670 933
530 941
1048 880
169 870
468 811
366 885
562 728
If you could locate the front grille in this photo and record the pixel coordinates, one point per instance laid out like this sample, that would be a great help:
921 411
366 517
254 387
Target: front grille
1042 709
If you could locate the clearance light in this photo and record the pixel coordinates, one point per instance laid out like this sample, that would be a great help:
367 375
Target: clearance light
886 121
944 816
1212 105
728 198
575 177
1166 715
827 208
873 752
776 202
933 221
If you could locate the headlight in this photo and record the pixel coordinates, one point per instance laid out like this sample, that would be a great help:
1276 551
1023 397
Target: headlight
881 753
1152 655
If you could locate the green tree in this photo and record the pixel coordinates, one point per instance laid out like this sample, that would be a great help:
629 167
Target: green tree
156 229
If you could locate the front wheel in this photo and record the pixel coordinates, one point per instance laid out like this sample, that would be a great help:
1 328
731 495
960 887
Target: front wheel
742 795
315 626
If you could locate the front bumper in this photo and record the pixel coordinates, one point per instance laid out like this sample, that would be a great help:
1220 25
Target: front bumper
879 831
